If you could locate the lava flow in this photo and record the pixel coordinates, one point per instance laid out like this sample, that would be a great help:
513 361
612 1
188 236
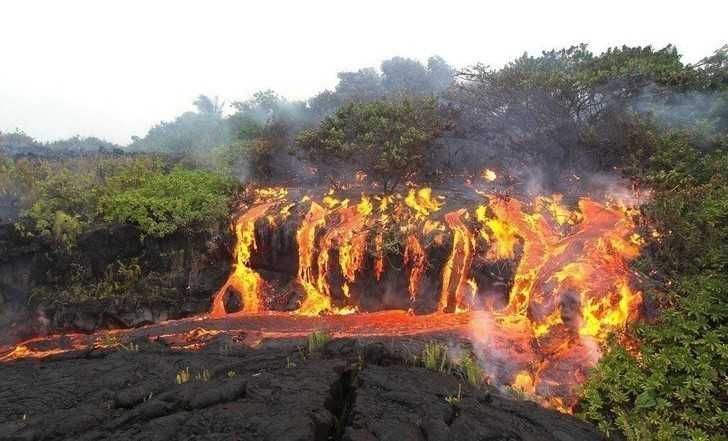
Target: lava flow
534 285
539 329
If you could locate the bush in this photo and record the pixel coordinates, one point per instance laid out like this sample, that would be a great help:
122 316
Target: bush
689 204
390 140
183 200
675 387
67 202
124 284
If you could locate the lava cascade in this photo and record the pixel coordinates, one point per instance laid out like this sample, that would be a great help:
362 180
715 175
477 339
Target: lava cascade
570 286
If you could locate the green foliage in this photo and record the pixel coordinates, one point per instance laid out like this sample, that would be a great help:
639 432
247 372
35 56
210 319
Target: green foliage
470 369
571 107
63 198
390 140
124 284
317 340
182 200
77 143
690 200
434 356
67 203
677 387
17 142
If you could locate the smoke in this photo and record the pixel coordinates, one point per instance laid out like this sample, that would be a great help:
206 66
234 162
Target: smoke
501 352
673 110
17 323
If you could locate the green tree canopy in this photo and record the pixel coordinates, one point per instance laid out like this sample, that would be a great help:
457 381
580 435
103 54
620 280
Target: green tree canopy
389 140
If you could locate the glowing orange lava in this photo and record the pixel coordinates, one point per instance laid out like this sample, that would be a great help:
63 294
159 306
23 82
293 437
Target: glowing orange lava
570 287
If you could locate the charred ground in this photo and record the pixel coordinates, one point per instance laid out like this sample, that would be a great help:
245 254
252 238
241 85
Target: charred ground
346 390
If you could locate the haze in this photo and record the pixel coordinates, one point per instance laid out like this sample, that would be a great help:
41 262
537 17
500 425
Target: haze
113 69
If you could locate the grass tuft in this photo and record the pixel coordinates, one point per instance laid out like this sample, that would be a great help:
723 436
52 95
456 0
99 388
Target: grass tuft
317 340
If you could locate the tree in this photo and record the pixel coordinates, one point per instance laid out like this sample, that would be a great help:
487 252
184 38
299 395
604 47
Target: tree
441 74
405 76
209 106
399 77
389 140
264 128
568 107
192 133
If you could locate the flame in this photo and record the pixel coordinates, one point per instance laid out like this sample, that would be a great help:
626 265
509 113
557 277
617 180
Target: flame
489 175
421 202
570 290
314 302
524 383
415 260
570 283
269 194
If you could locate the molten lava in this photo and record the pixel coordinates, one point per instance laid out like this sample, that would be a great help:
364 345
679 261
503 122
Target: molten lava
244 279
570 287
538 332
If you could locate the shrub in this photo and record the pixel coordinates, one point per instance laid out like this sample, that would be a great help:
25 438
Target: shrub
124 284
675 387
391 140
183 200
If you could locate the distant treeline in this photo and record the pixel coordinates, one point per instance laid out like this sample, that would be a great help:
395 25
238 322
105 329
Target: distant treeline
562 113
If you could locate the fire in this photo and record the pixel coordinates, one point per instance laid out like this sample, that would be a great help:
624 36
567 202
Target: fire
415 260
569 282
270 193
524 383
571 286
313 302
422 202
489 175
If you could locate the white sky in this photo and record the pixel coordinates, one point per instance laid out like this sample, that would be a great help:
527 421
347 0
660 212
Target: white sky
114 68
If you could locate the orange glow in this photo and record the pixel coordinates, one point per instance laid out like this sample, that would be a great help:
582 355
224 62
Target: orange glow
489 175
457 268
243 279
422 202
524 383
415 260
569 283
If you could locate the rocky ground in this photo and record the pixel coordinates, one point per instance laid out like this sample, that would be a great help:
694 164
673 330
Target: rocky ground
356 390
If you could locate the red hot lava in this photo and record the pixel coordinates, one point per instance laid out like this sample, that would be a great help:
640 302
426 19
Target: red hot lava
570 287
539 331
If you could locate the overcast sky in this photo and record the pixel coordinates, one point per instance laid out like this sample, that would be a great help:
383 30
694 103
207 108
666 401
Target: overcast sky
114 68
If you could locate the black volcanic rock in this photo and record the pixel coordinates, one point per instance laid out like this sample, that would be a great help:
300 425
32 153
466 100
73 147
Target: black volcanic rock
276 392
189 269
